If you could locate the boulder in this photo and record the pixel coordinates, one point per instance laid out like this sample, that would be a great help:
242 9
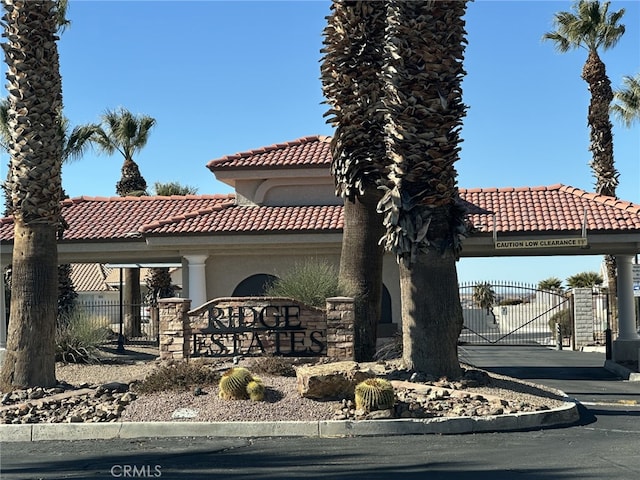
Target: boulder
331 380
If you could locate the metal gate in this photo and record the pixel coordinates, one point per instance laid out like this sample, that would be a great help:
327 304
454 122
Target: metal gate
516 314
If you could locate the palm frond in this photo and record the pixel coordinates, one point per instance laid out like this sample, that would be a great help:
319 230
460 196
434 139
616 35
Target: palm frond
627 106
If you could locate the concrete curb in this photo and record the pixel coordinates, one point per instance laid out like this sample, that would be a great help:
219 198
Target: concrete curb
564 415
622 371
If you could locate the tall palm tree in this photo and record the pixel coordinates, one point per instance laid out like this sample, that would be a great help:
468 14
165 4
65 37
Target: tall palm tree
35 146
351 74
424 222
74 143
627 106
122 131
591 26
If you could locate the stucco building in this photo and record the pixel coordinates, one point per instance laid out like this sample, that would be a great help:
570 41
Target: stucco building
284 211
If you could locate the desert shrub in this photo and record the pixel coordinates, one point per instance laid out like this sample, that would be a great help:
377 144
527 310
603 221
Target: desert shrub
78 338
391 349
310 282
276 366
178 376
563 317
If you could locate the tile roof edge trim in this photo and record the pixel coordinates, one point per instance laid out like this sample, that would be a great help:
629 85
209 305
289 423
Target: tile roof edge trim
614 202
148 198
217 162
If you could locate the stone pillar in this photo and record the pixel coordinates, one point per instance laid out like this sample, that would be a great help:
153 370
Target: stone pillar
625 348
582 317
197 285
340 317
175 328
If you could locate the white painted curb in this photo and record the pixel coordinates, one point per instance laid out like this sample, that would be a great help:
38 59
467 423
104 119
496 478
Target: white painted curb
564 415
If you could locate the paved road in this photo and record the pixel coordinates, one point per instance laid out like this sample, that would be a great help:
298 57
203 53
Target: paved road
603 446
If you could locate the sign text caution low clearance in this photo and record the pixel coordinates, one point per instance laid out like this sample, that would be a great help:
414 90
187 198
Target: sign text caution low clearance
542 243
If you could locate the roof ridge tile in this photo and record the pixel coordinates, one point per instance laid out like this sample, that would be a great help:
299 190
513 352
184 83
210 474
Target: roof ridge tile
266 149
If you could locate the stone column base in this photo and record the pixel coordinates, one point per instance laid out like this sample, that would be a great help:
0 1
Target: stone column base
625 350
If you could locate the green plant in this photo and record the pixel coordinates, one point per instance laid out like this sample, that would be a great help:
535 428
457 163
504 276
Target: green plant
310 282
563 317
178 376
484 295
256 390
374 394
77 338
585 280
233 384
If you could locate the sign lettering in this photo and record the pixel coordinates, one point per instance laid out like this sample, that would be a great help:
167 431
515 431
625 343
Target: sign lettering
542 243
256 330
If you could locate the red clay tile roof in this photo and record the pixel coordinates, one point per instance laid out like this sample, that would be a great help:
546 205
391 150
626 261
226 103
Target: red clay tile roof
90 277
553 208
303 152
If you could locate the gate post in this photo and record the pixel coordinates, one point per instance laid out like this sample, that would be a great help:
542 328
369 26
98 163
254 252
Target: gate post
583 317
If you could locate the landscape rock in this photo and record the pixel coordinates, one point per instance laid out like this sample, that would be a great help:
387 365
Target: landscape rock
331 380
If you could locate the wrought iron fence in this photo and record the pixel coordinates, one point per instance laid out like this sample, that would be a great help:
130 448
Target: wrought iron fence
137 322
511 313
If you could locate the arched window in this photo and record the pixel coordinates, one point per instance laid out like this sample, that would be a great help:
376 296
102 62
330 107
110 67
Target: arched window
254 286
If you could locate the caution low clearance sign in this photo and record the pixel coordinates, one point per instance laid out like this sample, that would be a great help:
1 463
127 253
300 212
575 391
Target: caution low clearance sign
541 243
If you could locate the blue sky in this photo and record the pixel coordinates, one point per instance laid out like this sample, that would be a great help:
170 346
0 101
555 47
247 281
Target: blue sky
223 77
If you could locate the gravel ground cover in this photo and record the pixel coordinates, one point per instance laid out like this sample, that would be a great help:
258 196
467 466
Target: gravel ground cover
103 394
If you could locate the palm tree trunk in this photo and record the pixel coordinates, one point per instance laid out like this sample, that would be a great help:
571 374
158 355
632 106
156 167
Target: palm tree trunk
132 302
431 315
361 268
601 147
30 356
35 101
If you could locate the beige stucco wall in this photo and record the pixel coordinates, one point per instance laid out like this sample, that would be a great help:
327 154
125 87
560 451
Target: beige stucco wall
225 272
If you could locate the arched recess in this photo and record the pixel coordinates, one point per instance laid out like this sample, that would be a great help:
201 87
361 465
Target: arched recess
386 327
254 286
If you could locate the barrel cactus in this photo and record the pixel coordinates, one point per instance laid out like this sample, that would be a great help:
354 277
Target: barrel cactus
233 384
237 383
255 390
374 394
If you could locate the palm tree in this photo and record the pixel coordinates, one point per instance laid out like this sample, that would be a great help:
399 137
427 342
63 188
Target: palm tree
627 106
74 143
584 280
551 284
173 188
424 48
351 77
484 295
35 146
122 131
592 27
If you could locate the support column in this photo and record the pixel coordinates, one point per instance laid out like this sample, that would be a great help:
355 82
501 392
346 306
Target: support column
197 285
625 348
